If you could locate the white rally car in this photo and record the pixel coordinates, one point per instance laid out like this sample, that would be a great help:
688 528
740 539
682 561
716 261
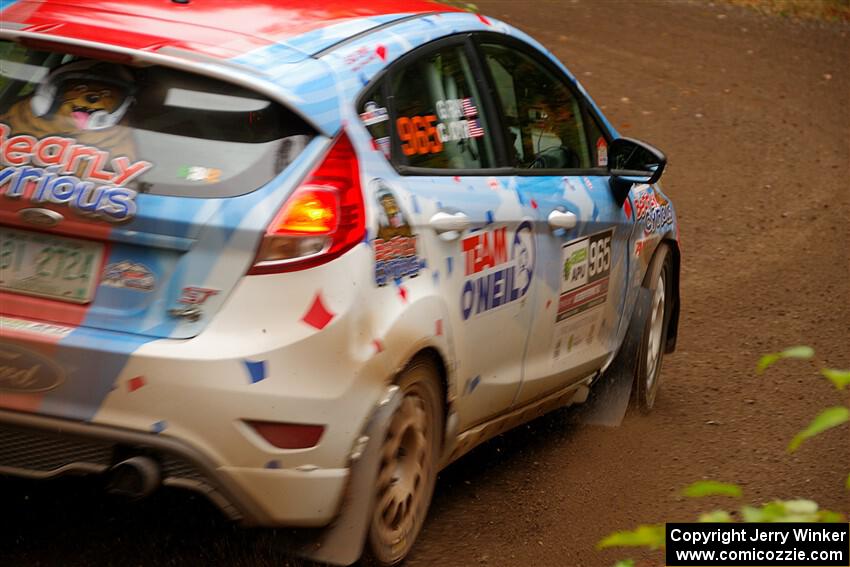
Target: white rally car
299 257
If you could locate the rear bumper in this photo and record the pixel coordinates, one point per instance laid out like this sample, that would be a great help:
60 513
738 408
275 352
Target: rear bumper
41 447
192 401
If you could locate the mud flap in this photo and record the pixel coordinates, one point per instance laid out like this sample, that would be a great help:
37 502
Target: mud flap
610 395
341 543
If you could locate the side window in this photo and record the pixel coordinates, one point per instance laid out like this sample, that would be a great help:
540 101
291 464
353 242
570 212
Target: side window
542 117
438 119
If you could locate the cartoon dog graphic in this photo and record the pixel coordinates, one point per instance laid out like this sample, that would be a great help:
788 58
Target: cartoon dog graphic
86 100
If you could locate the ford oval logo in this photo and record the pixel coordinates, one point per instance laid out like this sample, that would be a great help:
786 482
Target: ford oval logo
23 371
41 217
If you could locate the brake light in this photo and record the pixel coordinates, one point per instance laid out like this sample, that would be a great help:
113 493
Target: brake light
322 219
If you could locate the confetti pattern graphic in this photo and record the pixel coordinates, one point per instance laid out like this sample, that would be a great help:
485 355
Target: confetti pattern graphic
318 315
256 370
135 383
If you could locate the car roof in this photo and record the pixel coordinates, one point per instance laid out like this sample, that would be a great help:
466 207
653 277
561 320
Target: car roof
217 28
275 47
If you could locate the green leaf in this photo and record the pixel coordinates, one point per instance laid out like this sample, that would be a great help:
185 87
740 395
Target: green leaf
841 378
703 488
651 536
716 517
800 507
751 515
625 563
804 352
827 419
784 511
767 360
830 516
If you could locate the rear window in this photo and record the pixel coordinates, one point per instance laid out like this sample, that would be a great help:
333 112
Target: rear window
149 129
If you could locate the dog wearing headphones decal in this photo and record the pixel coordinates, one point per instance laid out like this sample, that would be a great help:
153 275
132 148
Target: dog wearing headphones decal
84 99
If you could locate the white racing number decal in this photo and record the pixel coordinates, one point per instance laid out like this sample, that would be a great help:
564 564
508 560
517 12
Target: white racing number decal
586 271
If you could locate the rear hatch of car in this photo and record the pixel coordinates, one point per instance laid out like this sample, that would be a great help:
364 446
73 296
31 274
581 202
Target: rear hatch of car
133 197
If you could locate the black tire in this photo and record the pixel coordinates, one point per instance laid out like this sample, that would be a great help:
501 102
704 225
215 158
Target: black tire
658 281
408 468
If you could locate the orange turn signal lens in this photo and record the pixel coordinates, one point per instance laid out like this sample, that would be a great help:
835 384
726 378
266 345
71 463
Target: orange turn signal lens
309 211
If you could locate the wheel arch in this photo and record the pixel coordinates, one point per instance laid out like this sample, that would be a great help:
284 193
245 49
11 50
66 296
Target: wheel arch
673 325
438 360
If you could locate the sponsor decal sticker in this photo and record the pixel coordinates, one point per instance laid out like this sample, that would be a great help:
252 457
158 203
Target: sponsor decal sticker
363 56
197 295
46 329
643 244
128 275
199 174
384 145
575 337
458 119
640 245
652 209
585 277
498 271
60 171
373 114
601 152
191 299
395 244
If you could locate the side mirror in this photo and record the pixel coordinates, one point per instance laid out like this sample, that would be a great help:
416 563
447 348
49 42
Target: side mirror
632 161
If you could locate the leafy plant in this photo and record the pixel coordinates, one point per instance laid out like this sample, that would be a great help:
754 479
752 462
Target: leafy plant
652 536
828 418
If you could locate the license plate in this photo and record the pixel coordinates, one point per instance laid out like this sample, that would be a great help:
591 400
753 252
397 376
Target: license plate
51 266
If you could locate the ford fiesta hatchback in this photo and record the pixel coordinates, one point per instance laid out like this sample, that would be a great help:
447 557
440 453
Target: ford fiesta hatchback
299 257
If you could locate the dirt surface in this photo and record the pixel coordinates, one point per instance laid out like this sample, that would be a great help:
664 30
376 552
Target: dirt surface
753 113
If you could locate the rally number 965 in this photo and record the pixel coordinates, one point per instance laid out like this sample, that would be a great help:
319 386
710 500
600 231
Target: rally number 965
599 263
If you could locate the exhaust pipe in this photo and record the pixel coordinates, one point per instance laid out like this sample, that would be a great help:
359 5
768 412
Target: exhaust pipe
135 477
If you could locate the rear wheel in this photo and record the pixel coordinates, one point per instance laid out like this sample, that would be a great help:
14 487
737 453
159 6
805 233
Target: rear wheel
651 353
407 473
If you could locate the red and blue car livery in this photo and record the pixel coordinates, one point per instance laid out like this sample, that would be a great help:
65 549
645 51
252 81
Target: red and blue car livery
299 258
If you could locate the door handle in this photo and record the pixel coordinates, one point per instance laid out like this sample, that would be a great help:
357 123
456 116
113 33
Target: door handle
565 220
445 222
